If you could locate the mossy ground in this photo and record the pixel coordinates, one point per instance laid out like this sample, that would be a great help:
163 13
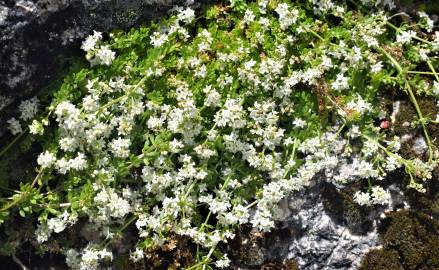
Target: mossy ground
341 206
410 241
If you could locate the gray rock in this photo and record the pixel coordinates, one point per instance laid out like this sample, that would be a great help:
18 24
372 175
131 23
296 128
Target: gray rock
322 241
419 146
321 228
36 36
326 244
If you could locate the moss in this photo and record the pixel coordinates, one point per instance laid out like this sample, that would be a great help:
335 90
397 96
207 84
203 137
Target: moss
288 264
341 206
246 248
435 206
429 109
414 236
381 259
427 202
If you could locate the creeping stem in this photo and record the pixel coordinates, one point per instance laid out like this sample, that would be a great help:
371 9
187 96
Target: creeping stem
23 195
414 37
131 220
6 148
413 99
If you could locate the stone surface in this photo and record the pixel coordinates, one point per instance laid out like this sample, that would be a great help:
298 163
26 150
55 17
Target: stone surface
320 230
37 36
324 241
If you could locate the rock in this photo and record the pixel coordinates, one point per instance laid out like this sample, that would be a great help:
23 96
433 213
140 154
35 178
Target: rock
322 240
318 231
36 38
419 146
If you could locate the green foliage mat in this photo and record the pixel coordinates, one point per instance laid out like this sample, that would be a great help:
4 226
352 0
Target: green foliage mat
197 124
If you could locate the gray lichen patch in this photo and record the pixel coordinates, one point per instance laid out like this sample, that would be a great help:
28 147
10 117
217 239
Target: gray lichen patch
4 11
4 101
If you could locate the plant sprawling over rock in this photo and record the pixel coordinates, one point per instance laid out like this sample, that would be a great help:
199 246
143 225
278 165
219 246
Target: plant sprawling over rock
195 125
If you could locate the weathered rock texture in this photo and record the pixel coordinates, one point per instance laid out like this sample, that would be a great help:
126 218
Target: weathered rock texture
322 229
36 36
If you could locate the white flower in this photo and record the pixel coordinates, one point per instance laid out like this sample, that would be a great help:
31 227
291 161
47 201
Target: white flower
436 41
90 103
63 165
90 258
299 123
249 16
358 105
158 39
91 41
186 15
104 56
262 220
231 115
213 98
46 159
68 144
354 131
436 88
340 83
286 17
264 22
120 147
405 36
155 123
380 196
362 198
392 163
377 67
137 255
429 22
65 109
72 259
36 128
56 224
204 152
175 146
42 232
78 163
223 263
120 207
14 126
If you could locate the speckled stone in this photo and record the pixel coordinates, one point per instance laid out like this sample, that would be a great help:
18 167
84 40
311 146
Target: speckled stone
36 36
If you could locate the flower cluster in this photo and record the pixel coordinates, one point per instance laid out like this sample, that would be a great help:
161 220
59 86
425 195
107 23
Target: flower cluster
97 54
207 122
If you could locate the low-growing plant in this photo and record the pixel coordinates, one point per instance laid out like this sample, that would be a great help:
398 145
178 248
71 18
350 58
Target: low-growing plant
193 125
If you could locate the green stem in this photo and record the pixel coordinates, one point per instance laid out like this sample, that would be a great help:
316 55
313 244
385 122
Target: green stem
210 212
114 101
4 150
251 204
414 37
400 159
433 70
316 35
421 118
205 260
420 72
23 195
131 220
413 99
